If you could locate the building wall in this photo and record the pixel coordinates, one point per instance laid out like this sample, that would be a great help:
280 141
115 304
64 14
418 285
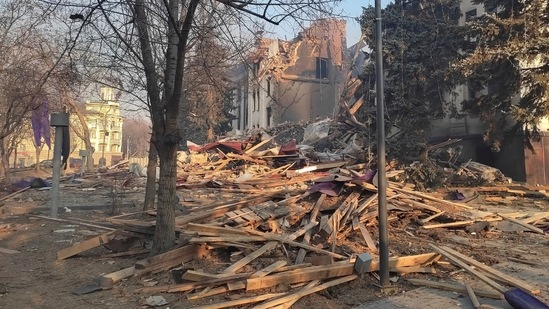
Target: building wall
513 159
105 125
283 80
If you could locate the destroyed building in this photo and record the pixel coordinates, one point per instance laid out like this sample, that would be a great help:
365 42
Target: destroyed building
297 80
513 159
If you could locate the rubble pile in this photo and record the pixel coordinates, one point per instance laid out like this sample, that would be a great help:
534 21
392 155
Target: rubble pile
271 217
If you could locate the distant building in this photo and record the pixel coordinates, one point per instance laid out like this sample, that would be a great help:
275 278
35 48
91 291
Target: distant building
297 80
105 125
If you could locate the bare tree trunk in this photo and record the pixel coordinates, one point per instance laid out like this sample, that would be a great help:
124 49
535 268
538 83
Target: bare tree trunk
210 133
164 236
4 162
85 134
38 150
150 188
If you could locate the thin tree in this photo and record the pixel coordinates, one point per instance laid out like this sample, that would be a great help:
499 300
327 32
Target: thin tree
508 68
156 35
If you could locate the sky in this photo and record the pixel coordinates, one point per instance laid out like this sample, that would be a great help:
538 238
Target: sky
349 9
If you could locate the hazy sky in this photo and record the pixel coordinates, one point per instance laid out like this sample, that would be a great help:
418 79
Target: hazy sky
349 9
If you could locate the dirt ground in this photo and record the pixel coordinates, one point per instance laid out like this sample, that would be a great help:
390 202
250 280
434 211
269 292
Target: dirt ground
34 278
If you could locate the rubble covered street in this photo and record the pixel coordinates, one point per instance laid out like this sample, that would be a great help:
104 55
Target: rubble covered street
267 225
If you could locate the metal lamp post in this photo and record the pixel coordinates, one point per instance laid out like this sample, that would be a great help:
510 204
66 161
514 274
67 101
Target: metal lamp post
59 121
382 179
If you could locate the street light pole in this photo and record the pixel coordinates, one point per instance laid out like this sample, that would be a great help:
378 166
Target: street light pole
58 121
382 181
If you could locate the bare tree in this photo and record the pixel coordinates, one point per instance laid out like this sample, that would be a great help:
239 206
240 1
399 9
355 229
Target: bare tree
152 39
136 137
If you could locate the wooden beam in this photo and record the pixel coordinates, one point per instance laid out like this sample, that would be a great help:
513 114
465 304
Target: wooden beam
8 251
252 149
366 204
183 287
431 198
305 292
456 261
269 269
236 238
307 274
496 273
455 287
242 301
85 245
107 281
529 227
289 304
367 237
195 227
472 296
14 194
170 259
266 247
193 275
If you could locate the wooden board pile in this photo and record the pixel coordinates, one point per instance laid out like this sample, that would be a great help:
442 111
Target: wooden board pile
320 221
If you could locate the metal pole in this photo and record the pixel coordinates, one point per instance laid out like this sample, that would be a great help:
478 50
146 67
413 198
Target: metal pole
56 171
382 181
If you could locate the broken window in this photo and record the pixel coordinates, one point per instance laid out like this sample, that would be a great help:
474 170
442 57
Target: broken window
491 9
269 116
269 87
321 68
469 15
253 100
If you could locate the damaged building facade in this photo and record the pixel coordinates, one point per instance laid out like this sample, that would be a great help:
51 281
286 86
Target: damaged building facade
297 80
513 159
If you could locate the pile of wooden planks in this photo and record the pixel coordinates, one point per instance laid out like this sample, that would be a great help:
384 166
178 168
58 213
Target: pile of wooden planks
315 233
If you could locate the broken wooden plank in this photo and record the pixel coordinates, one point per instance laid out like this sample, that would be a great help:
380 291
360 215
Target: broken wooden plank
195 240
366 204
210 292
183 287
302 275
456 261
459 223
423 221
305 292
252 149
241 301
170 259
496 273
302 252
14 194
337 269
75 222
431 198
522 261
367 237
85 245
193 275
413 269
195 227
455 287
536 217
269 269
8 251
289 304
268 246
525 225
419 205
472 296
220 210
107 281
